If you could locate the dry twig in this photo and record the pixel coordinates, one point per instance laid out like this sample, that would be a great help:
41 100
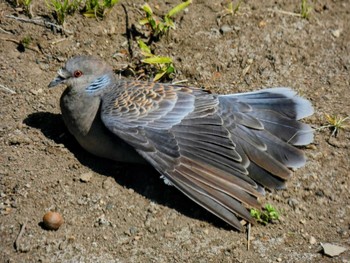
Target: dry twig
248 236
21 232
5 31
39 22
7 89
20 43
284 12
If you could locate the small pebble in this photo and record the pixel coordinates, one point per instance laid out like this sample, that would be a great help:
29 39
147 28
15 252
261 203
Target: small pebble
85 177
52 220
294 203
262 23
332 250
312 240
336 33
109 183
225 29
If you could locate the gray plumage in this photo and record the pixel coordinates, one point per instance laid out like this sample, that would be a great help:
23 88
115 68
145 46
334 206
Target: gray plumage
219 150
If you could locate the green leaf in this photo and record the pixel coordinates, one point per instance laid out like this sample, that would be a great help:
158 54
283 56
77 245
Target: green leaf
153 23
144 47
159 75
169 22
147 9
178 8
157 60
89 14
143 21
160 27
170 69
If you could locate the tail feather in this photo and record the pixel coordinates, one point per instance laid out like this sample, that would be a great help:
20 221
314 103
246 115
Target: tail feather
282 100
269 148
289 130
285 153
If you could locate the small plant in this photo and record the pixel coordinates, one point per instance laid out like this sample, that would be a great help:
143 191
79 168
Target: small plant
97 8
26 41
24 44
160 27
335 123
164 65
265 216
233 9
26 6
62 8
306 9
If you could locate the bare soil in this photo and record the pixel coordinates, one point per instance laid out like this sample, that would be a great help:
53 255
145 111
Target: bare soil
125 213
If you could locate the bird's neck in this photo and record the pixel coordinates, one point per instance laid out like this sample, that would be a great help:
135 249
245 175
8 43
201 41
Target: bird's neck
78 111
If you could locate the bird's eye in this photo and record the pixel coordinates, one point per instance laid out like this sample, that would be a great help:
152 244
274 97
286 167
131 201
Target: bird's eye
77 74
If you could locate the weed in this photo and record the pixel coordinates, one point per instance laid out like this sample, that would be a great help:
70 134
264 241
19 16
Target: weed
265 216
160 27
335 123
164 65
62 8
24 44
26 6
306 9
233 9
26 41
97 8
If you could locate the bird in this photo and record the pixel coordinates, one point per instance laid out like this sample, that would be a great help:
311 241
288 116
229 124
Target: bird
221 151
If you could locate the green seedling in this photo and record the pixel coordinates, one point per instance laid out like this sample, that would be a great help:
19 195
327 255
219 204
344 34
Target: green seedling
24 44
265 216
164 65
26 41
233 9
97 8
160 26
335 123
306 9
62 8
26 4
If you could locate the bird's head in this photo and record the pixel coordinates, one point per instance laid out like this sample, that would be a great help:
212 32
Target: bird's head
86 73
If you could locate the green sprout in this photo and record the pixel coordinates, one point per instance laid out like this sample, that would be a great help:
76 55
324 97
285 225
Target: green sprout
164 65
233 9
24 44
26 6
161 26
62 8
335 123
306 9
26 41
265 216
97 8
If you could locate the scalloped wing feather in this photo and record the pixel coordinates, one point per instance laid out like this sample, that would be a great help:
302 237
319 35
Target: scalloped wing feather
218 150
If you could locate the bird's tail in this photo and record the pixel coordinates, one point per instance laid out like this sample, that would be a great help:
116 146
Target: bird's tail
265 128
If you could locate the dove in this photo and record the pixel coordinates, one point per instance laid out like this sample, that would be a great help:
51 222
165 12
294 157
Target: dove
222 151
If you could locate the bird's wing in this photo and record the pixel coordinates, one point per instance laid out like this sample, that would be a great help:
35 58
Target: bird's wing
206 147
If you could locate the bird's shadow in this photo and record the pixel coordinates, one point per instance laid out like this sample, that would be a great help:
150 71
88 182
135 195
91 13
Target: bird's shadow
143 179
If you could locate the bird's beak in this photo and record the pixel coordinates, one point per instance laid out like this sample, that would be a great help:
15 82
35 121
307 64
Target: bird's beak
62 75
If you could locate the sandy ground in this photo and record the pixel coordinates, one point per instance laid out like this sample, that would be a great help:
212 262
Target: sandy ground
126 214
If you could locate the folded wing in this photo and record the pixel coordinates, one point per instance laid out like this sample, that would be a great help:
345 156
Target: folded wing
218 150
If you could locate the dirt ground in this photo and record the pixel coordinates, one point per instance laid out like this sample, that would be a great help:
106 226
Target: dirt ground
123 213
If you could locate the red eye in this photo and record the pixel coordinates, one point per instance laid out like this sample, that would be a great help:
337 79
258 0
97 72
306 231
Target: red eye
78 73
